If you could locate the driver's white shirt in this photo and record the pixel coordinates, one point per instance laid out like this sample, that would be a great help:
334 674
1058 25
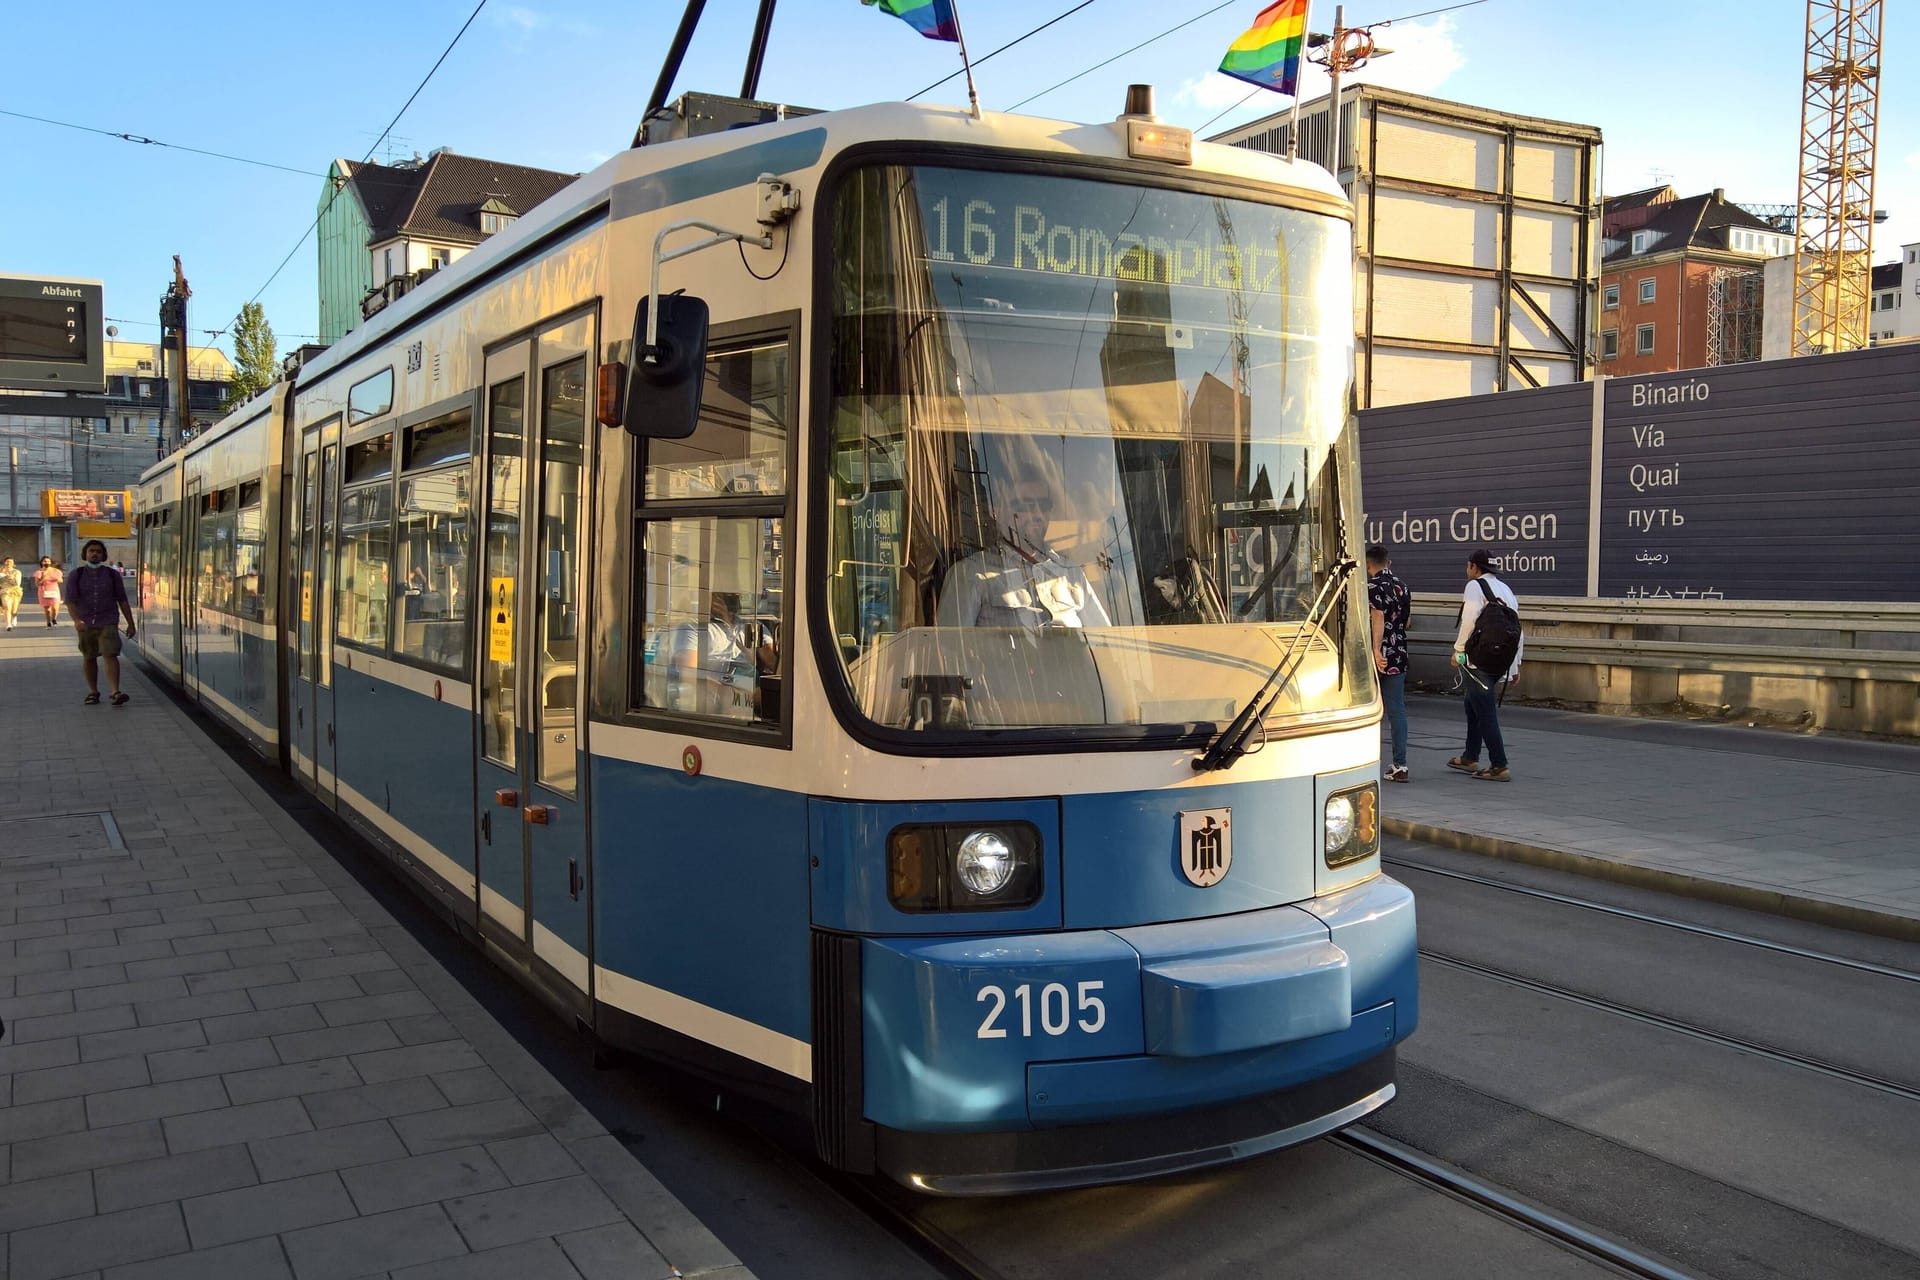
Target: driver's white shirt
1001 587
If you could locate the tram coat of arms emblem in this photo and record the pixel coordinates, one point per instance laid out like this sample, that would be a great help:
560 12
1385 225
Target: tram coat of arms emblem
1206 846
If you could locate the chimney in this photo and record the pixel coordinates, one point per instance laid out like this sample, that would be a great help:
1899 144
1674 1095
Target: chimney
1719 195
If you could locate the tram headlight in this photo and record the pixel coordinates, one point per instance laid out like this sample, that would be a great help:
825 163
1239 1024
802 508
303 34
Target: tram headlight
970 867
1351 824
984 862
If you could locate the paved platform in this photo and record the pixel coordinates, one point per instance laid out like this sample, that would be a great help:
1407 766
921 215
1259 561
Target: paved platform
224 1059
1819 828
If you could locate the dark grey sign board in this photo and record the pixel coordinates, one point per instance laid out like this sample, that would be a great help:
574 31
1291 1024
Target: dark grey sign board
1783 480
1778 480
52 334
1508 472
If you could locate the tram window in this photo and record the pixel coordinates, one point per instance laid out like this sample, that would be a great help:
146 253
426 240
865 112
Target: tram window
248 594
435 529
740 445
443 440
711 620
214 554
363 588
370 397
370 459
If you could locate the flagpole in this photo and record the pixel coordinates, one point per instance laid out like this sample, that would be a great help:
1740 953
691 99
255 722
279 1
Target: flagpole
1293 128
973 95
1333 65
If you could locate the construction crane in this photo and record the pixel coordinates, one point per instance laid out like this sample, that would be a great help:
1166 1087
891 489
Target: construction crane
1839 118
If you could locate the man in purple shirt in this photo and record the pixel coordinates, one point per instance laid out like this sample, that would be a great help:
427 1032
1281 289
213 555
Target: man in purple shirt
96 595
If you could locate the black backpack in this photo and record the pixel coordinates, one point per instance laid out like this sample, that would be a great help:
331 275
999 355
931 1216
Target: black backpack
1496 635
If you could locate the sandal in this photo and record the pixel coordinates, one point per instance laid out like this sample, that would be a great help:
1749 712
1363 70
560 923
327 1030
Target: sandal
91 698
119 699
1464 765
1491 774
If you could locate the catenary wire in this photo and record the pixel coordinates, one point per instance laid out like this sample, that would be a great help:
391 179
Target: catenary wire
143 140
1002 49
1123 53
335 195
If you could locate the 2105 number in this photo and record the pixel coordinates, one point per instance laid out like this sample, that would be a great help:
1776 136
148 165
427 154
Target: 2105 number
1056 1017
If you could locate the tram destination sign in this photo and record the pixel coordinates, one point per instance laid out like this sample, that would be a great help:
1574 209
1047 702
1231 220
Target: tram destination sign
51 334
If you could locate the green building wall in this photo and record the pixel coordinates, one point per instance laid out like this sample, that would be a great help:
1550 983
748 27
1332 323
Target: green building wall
346 271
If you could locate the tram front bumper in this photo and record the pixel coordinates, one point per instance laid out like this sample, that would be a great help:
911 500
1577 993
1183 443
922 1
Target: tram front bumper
1003 1034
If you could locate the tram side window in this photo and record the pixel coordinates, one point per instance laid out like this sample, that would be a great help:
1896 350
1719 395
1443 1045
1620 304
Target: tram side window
435 535
713 620
213 574
364 584
249 554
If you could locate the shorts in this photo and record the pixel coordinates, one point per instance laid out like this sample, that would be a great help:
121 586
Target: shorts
99 642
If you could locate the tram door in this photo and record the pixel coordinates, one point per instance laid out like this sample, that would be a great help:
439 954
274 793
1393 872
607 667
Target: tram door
310 685
193 571
530 733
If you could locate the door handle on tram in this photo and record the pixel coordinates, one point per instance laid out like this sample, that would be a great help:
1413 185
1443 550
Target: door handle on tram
539 815
507 798
486 825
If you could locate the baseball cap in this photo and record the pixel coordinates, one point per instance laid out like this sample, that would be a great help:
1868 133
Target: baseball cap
1483 561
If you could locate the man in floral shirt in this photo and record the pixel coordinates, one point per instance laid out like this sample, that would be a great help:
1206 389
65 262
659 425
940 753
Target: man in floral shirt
1391 603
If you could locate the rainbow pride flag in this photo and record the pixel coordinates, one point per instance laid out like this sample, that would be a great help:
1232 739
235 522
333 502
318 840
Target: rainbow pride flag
931 18
1269 53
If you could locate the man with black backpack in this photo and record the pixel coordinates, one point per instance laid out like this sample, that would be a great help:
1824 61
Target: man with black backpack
1487 649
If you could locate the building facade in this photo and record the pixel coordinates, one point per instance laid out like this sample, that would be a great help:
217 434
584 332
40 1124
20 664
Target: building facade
1893 308
96 442
1476 236
384 227
1683 281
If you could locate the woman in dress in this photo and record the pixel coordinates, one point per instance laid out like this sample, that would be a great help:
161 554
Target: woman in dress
46 580
10 592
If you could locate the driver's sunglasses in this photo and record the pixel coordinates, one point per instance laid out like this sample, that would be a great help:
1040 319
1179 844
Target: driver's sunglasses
1033 504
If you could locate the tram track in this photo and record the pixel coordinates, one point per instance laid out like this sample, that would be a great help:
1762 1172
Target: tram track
1754 1047
1570 1234
1666 922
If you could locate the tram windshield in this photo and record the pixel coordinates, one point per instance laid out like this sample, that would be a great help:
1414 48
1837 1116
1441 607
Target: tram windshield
1090 457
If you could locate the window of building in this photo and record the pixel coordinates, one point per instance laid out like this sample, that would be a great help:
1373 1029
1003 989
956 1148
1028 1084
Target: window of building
1647 288
1610 297
1609 344
492 222
440 257
387 271
1640 242
712 508
1643 340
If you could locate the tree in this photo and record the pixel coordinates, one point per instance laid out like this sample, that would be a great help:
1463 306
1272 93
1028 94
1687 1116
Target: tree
255 362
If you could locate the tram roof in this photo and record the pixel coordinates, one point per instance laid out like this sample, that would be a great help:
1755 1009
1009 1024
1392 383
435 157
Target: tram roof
843 129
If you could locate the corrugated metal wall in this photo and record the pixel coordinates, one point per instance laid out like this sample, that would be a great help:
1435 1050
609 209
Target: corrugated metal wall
1476 242
1775 480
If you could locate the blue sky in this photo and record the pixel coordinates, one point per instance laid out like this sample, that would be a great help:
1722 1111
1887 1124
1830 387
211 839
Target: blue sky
1701 93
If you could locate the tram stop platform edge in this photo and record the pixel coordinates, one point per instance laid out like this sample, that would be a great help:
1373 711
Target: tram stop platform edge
224 1057
1817 828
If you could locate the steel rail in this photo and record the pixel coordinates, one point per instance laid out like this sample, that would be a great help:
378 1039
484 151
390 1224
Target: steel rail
1627 913
1422 1168
1740 1043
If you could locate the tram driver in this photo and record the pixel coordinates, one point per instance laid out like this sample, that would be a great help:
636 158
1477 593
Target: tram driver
1021 581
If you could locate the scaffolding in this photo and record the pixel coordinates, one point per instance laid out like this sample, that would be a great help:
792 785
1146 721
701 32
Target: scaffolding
1839 117
1735 311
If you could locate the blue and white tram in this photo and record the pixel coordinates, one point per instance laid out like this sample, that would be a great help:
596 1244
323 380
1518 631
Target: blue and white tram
956 717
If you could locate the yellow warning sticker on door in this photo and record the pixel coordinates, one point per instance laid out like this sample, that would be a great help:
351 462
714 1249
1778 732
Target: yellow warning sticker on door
500 620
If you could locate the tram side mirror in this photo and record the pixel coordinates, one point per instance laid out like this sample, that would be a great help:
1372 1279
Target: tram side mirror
663 394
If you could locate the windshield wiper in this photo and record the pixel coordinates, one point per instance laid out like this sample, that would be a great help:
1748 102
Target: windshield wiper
1224 751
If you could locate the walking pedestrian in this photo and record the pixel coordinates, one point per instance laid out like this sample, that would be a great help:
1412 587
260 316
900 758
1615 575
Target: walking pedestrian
11 590
1483 686
96 598
1391 604
46 584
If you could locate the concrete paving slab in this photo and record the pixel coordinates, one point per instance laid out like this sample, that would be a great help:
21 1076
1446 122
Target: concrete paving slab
223 1058
1812 827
